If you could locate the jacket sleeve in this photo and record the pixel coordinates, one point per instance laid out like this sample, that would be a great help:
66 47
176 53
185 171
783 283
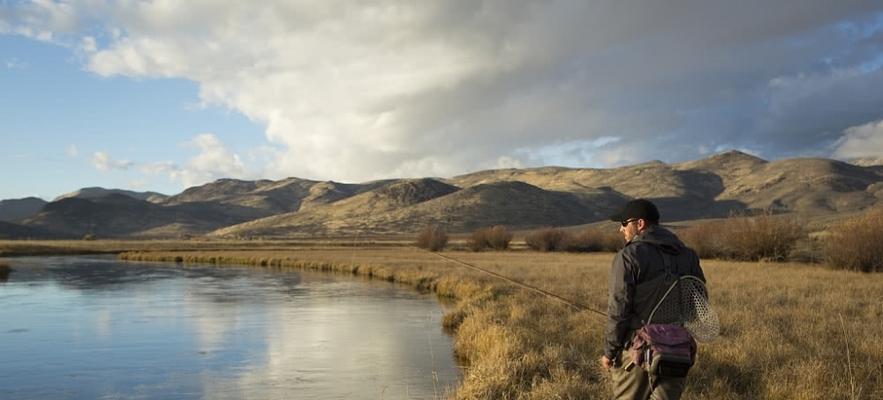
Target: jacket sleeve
621 290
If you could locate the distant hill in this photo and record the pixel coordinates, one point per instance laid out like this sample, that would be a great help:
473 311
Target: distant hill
265 197
409 206
96 192
866 161
15 210
118 215
9 230
348 214
716 186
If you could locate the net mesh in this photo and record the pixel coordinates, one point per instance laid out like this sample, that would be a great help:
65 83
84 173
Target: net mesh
698 317
686 303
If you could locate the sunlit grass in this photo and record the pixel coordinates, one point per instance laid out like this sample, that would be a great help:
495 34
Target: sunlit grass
785 326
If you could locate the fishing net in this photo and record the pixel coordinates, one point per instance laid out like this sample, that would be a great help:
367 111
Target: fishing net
686 303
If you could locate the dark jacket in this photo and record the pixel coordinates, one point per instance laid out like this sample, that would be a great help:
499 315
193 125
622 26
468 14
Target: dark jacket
636 281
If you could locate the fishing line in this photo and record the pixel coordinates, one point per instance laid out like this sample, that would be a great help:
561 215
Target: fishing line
569 303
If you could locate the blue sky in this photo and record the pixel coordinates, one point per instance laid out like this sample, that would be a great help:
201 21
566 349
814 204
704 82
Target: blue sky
163 95
56 115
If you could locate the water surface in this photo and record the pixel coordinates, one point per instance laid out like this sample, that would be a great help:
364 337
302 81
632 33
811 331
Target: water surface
94 327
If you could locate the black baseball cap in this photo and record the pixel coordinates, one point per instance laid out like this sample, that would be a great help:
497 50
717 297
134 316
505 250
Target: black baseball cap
638 208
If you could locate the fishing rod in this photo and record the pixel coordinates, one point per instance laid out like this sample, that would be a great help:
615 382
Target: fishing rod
569 303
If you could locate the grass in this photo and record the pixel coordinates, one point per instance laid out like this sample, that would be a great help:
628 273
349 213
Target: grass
854 244
746 238
786 327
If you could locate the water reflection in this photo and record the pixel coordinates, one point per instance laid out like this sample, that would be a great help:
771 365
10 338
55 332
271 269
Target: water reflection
4 273
91 328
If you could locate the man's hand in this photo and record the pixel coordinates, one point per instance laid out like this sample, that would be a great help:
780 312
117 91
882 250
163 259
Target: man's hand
606 363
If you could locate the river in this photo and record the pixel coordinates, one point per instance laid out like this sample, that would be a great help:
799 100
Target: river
92 327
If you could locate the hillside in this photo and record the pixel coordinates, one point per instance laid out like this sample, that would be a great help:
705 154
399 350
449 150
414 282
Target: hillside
119 215
717 186
407 207
349 214
97 192
9 230
15 210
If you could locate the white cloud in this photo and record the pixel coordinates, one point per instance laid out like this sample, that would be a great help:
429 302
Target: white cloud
72 151
213 162
138 184
88 44
355 91
159 168
103 162
15 63
41 20
861 141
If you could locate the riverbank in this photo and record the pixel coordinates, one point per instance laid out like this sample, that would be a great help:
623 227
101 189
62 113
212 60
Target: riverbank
785 333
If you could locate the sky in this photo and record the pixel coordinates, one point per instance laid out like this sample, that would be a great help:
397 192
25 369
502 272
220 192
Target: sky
163 95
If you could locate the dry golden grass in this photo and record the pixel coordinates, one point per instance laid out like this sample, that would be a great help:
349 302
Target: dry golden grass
494 237
855 244
591 239
432 238
746 238
789 331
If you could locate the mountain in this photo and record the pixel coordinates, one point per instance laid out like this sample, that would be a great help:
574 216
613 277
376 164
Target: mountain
410 205
809 186
118 215
96 192
866 161
349 214
257 199
15 210
716 186
9 230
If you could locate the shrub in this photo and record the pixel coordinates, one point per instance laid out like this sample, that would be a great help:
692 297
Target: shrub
552 239
432 238
856 243
593 240
549 239
748 238
89 236
496 237
704 240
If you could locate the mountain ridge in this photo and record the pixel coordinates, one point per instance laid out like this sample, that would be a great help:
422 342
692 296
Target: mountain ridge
715 186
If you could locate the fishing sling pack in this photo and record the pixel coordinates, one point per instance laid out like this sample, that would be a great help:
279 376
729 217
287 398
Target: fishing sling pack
666 348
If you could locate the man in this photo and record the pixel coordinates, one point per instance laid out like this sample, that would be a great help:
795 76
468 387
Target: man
636 283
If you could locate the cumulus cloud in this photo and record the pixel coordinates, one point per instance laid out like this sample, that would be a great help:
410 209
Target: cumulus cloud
355 91
861 141
103 162
214 161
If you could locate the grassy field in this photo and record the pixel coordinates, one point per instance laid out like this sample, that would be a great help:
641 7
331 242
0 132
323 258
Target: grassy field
789 331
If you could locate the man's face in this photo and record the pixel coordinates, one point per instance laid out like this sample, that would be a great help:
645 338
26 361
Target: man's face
629 228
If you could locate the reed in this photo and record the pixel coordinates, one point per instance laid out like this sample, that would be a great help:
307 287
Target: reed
432 238
746 238
782 334
495 238
855 244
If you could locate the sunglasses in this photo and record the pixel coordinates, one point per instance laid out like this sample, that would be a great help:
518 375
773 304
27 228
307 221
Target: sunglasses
628 221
